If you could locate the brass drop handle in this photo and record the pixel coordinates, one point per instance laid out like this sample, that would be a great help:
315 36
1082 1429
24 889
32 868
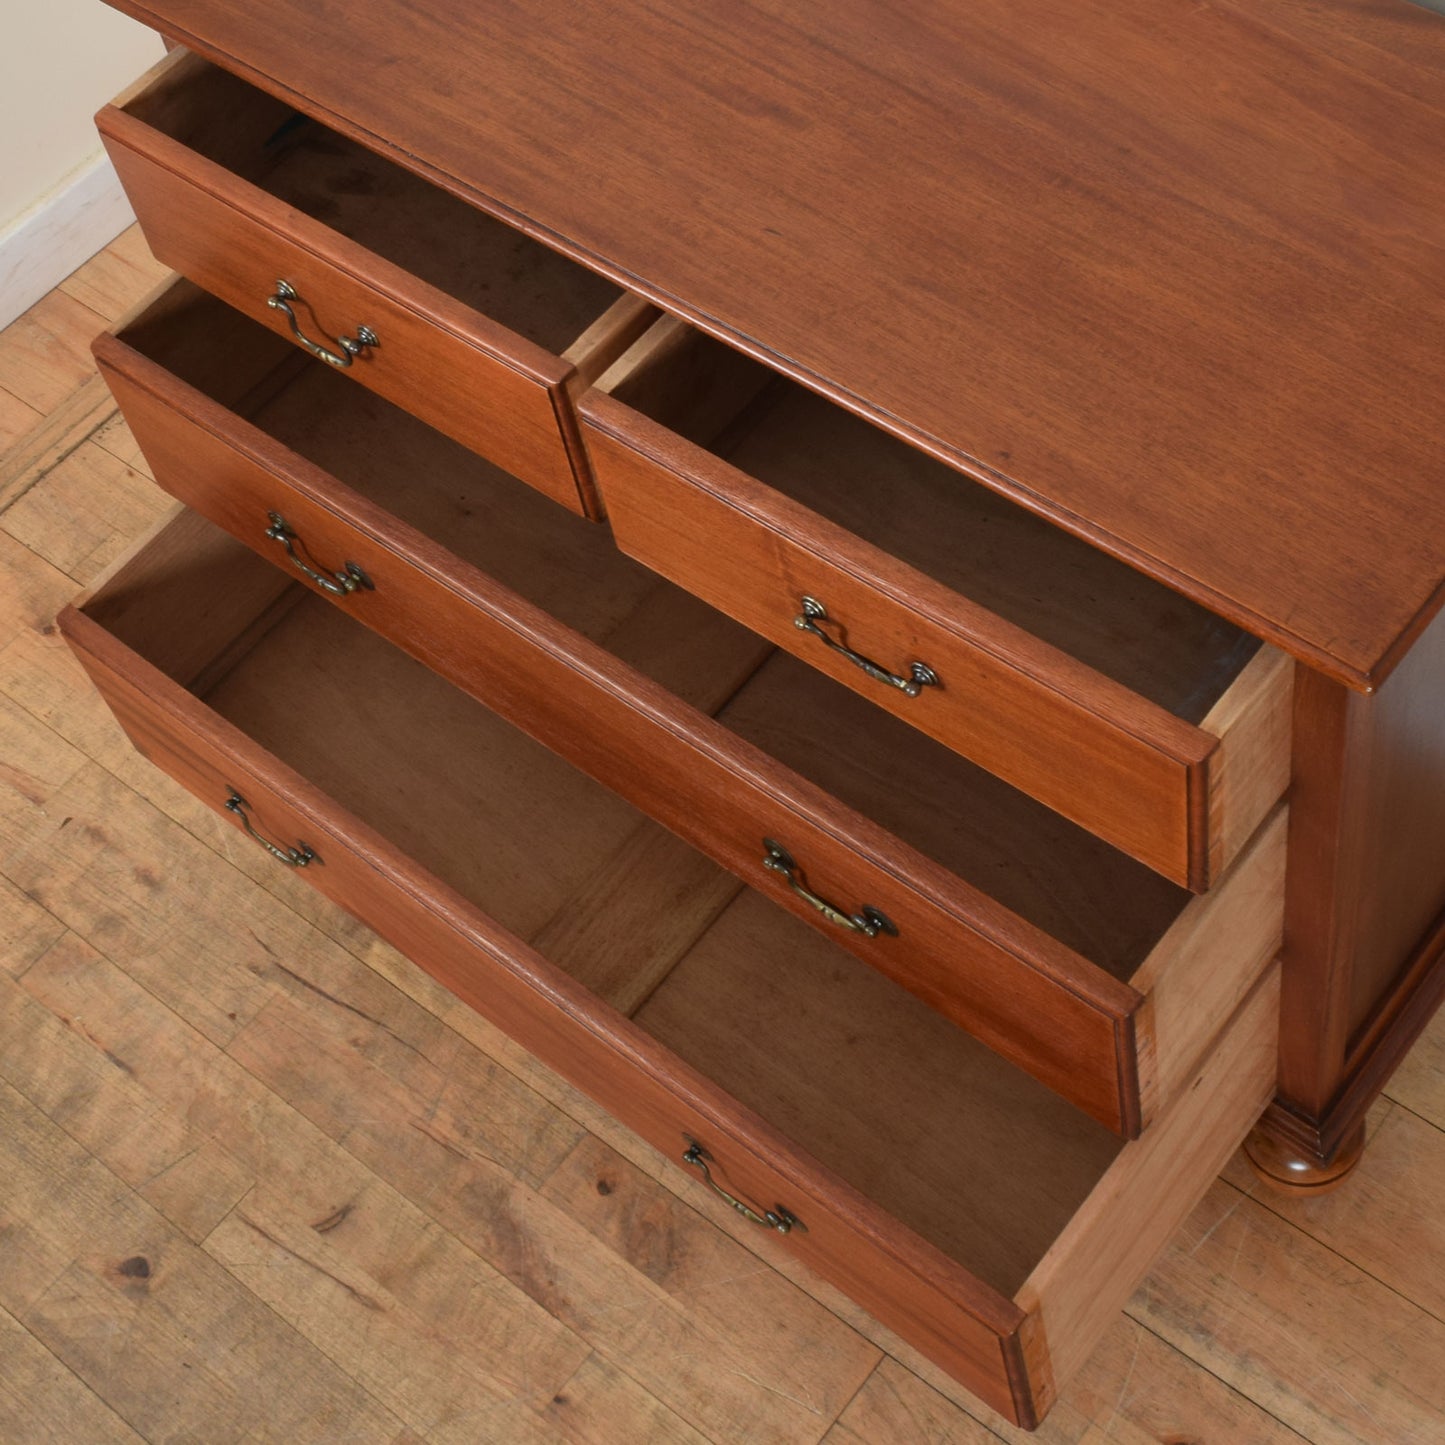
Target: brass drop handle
920 675
868 921
338 584
783 1220
297 857
350 347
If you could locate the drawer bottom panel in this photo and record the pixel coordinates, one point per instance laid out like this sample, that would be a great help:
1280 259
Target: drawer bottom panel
985 1221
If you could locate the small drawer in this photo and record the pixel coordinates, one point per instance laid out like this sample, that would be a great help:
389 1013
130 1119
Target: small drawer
1098 976
989 1223
1127 708
478 329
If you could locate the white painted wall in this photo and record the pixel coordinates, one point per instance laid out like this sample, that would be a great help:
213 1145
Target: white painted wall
60 61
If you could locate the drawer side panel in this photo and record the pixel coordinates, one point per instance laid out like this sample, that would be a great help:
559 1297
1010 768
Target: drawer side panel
1086 1278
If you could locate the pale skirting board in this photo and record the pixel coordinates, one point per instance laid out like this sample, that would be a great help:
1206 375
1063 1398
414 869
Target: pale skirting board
65 228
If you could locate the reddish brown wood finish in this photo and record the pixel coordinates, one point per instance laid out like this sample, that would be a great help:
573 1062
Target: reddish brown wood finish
1007 982
1364 936
968 1329
1123 768
1155 297
471 378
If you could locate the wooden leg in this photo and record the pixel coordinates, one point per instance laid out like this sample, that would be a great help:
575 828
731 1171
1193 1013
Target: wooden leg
1285 1166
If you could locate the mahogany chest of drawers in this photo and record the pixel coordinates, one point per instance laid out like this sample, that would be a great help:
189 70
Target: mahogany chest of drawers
871 603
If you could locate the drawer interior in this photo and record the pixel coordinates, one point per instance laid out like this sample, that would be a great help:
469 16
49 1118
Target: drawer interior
375 202
1092 898
963 1147
1057 587
562 562
1105 906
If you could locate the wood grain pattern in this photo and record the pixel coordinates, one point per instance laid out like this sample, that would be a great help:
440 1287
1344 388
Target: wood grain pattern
1243 298
625 929
36 1387
43 360
1416 1082
646 1323
51 438
436 372
1357 1362
1402 882
369 450
894 1405
61 1047
117 1257
1385 1221
739 1310
93 501
913 508
1192 959
17 419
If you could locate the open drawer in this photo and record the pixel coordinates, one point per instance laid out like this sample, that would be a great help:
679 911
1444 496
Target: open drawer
1098 976
473 326
1127 708
988 1222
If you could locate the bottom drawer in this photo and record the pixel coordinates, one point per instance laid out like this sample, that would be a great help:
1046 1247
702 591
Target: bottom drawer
989 1223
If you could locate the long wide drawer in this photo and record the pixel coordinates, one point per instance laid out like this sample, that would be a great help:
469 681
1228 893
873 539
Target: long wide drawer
1082 966
988 1222
1130 710
480 330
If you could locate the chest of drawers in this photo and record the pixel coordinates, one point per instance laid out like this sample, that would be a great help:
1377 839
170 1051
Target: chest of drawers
640 636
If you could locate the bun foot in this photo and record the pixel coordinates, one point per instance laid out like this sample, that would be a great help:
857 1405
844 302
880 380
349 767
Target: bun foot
1291 1170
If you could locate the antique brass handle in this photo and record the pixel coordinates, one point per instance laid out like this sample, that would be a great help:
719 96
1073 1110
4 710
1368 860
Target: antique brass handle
350 347
297 857
783 1220
868 921
920 675
338 584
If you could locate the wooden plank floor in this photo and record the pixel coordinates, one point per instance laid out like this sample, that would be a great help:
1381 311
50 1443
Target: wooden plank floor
260 1180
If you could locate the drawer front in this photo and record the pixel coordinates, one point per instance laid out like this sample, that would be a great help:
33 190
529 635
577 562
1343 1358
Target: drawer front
491 390
1133 774
965 1327
1003 980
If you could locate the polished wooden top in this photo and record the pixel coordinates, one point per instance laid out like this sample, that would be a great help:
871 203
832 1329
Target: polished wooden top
1171 272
